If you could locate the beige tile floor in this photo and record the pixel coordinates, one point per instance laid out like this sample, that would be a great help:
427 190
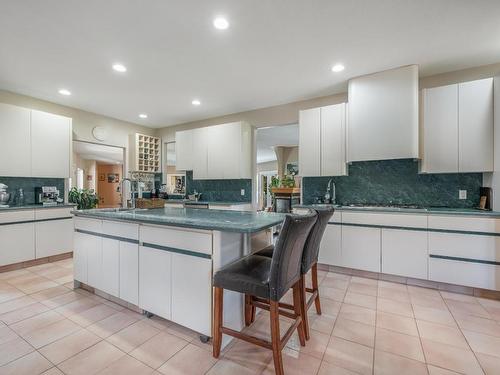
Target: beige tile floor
367 327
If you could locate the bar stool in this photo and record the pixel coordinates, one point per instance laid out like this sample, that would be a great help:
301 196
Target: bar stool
309 262
267 280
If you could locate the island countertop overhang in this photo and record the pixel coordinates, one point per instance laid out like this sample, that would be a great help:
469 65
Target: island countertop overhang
220 220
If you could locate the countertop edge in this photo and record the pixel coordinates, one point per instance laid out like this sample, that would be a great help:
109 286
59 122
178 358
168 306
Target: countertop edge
35 207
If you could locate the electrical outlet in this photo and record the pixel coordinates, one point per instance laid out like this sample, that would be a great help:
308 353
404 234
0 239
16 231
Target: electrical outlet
242 192
462 194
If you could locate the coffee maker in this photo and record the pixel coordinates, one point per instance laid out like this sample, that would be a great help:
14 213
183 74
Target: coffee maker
47 195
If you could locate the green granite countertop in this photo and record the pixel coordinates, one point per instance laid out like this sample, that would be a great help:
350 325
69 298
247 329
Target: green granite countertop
215 203
36 206
221 220
423 210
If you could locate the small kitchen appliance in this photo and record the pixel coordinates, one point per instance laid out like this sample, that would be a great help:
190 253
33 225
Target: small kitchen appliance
47 195
4 196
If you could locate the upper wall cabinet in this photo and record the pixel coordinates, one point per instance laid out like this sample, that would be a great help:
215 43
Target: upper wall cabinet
50 145
15 141
457 128
322 141
35 143
184 150
383 115
216 152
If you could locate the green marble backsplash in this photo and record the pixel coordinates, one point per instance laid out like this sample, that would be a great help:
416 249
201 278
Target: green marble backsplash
28 184
398 182
220 190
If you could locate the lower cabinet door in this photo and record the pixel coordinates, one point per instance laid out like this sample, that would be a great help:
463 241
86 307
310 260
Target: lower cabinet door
361 248
17 243
476 275
110 278
404 253
53 237
155 286
192 292
80 257
330 251
93 248
129 272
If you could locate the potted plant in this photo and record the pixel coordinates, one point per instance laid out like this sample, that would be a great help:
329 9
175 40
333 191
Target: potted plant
84 198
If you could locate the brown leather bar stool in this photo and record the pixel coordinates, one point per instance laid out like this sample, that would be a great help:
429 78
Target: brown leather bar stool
309 262
267 279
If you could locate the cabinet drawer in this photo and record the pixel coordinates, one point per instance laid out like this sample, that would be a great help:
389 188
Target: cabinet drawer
185 239
475 275
336 217
17 243
124 230
91 225
15 216
469 224
465 246
53 237
52 213
388 219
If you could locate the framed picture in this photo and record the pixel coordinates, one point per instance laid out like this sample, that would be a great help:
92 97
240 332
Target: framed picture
102 177
113 178
292 169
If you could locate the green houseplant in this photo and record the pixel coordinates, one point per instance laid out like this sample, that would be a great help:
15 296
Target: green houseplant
84 198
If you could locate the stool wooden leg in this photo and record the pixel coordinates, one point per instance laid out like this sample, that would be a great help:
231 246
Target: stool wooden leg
248 310
218 308
298 305
276 337
303 305
315 287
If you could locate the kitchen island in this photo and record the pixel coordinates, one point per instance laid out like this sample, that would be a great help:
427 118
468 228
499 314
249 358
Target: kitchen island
162 260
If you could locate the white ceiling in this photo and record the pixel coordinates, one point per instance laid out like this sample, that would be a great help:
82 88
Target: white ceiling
99 153
274 52
268 138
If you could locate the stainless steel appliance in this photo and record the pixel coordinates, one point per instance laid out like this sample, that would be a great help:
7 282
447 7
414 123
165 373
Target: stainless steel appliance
47 195
4 195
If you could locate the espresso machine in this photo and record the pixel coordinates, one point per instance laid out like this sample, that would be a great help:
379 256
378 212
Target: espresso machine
47 195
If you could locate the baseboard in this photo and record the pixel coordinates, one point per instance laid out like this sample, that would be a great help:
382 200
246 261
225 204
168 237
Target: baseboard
35 262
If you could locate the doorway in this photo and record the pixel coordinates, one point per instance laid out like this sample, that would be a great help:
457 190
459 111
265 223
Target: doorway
277 152
100 168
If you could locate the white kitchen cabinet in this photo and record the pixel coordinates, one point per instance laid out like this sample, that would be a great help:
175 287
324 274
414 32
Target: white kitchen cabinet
330 251
53 237
129 272
458 128
310 142
322 141
200 153
50 145
110 266
93 249
333 140
15 141
184 150
80 257
464 273
383 115
475 130
155 283
404 253
17 243
440 128
192 286
361 248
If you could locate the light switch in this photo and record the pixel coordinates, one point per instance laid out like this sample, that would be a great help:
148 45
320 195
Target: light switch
462 194
242 191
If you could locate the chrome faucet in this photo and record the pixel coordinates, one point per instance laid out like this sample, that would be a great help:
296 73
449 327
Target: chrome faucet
330 195
132 193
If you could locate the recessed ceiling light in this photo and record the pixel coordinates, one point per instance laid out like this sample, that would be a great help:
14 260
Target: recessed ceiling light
221 23
195 102
338 68
119 68
143 115
64 92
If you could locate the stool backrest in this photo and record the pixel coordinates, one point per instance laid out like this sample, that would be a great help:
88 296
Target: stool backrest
311 249
287 255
